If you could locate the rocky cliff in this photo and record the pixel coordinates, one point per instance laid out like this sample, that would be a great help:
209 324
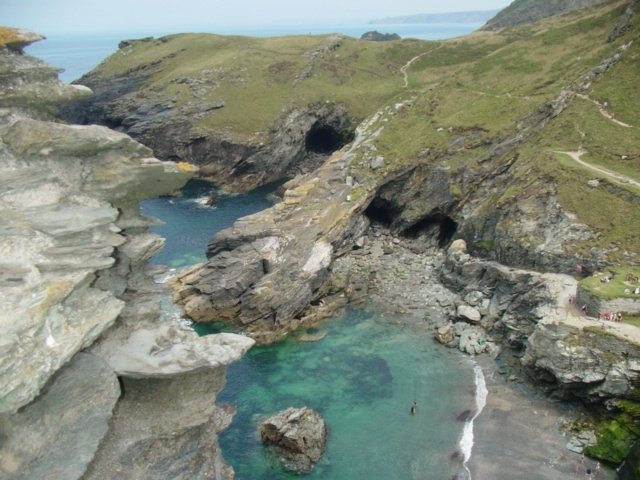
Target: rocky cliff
499 191
264 271
89 380
174 117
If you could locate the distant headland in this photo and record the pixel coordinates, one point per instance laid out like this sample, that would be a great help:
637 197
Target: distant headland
454 17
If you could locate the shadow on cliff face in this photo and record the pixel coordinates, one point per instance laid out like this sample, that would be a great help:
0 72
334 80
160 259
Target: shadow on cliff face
438 227
324 139
435 229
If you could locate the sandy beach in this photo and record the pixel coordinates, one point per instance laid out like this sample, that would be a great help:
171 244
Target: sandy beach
517 436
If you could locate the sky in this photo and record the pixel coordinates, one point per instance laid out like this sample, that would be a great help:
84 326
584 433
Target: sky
47 16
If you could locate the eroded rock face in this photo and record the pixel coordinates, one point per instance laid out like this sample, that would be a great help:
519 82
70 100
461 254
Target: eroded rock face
166 429
56 436
589 365
63 187
74 276
298 436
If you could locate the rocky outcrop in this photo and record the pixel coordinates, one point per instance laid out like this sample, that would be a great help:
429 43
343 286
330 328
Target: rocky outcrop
298 436
375 36
266 269
297 140
81 307
56 436
570 358
589 364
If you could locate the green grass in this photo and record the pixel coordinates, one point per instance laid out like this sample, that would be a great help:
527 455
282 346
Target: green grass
468 93
256 77
616 287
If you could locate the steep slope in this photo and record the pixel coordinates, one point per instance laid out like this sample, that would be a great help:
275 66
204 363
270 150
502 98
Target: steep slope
521 12
470 152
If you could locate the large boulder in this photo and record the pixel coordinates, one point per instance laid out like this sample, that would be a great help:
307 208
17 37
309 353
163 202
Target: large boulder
298 436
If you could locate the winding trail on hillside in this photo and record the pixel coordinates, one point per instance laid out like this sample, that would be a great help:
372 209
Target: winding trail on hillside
608 173
603 110
410 62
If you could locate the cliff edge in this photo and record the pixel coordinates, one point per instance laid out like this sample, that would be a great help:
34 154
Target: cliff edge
81 320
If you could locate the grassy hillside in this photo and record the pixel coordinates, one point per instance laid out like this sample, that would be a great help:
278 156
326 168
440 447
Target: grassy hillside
482 86
465 95
258 78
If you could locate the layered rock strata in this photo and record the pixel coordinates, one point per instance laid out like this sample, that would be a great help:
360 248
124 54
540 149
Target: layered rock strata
74 277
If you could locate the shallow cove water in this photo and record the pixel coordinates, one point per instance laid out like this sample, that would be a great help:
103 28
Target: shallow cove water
362 376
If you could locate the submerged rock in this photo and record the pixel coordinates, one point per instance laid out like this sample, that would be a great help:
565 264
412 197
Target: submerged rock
298 436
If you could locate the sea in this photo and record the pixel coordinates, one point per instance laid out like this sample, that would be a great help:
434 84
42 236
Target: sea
369 368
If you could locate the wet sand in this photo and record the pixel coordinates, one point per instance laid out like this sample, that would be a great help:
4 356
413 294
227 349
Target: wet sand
517 436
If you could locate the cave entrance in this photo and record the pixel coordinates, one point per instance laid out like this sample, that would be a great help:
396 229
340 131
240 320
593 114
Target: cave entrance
380 211
439 228
323 139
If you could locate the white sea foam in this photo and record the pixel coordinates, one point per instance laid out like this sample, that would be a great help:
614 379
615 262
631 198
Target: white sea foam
466 443
203 202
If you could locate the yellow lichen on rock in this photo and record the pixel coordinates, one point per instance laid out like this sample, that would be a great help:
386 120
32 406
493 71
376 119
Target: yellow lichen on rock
185 167
17 38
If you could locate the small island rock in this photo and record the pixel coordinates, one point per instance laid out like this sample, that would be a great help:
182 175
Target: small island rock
298 436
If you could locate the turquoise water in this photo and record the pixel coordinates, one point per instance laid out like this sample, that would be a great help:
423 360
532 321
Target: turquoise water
362 377
190 223
78 53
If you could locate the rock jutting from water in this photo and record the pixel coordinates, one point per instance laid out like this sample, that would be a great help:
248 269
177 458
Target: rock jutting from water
298 436
81 307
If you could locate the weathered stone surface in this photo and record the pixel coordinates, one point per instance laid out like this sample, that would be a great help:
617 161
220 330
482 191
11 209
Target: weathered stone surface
57 435
468 313
587 364
446 336
166 429
265 270
70 218
472 341
168 350
73 276
298 436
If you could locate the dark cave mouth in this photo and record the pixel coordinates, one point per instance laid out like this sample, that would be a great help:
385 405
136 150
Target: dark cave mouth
324 140
438 226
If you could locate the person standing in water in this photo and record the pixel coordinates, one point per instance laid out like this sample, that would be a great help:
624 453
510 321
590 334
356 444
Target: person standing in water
414 407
